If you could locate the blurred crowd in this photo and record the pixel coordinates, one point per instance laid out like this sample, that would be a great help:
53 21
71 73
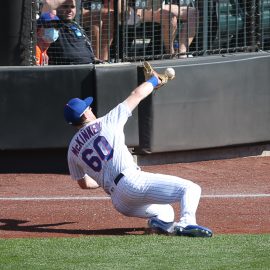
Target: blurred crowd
82 32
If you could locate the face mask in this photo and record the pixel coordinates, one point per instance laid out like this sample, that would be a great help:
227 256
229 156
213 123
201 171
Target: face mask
50 35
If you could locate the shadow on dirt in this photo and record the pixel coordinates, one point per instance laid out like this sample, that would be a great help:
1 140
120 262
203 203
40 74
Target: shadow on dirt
20 226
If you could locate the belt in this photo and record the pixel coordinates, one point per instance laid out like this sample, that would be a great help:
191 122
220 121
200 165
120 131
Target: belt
118 178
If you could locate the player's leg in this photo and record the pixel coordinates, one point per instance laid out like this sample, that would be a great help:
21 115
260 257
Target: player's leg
174 188
162 189
148 194
148 188
143 188
160 216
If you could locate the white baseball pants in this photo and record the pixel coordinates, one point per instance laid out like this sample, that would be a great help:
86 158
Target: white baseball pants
145 195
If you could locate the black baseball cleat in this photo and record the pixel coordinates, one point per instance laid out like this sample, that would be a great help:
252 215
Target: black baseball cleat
193 231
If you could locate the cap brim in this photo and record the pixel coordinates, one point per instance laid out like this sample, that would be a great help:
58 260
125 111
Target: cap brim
88 101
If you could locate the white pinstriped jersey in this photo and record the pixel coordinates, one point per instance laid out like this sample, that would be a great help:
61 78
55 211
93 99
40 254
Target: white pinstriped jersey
98 149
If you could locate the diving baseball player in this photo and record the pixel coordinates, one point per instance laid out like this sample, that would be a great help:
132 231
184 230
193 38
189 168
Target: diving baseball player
98 156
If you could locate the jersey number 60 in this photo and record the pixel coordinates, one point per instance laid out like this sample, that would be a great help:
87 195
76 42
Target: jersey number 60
104 151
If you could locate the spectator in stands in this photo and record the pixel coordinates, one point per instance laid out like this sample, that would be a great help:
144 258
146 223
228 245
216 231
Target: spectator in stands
73 45
167 16
99 24
47 33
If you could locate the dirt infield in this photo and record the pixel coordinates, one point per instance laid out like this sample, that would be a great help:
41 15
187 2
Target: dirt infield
235 199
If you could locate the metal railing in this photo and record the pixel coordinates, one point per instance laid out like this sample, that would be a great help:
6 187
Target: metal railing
135 30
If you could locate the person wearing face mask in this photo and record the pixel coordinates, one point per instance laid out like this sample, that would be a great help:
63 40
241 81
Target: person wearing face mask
47 33
73 46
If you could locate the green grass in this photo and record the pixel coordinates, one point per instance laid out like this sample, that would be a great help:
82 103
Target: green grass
137 252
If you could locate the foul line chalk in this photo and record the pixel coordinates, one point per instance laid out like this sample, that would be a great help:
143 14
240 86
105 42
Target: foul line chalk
93 198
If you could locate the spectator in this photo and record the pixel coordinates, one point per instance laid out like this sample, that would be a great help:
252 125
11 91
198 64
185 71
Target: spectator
167 16
100 25
188 17
47 33
73 45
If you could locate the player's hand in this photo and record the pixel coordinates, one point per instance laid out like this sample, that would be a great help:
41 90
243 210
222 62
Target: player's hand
149 72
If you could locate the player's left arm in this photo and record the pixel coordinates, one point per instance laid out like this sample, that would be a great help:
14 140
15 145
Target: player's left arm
154 80
138 94
87 183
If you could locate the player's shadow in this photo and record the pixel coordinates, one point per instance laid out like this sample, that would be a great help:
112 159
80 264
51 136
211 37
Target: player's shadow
16 226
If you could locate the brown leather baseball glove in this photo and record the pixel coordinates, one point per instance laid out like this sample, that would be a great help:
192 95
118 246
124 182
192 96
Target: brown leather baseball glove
149 72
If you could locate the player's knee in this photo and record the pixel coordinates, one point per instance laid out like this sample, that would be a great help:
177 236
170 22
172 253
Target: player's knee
166 213
195 188
170 213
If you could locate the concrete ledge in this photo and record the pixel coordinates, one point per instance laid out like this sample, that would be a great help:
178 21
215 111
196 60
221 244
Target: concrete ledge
203 154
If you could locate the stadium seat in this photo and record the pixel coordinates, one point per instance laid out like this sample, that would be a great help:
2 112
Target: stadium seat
264 11
230 23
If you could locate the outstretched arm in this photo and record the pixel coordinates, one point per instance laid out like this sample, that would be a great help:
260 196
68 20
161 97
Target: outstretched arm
138 94
154 81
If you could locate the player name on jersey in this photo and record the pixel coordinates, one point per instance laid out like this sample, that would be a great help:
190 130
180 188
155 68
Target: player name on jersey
84 135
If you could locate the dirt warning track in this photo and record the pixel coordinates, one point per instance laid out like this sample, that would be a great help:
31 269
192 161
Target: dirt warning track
235 199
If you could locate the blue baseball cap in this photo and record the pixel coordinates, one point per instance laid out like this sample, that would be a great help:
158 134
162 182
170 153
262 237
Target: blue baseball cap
75 108
48 19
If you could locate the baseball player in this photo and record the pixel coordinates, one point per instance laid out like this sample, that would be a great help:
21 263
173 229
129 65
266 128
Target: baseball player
98 157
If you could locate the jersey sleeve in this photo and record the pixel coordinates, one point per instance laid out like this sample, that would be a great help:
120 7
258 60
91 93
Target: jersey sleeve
76 171
118 116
